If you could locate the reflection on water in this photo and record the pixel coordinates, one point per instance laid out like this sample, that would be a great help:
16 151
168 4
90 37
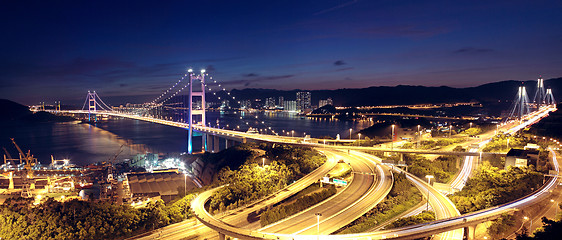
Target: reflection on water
85 144
81 143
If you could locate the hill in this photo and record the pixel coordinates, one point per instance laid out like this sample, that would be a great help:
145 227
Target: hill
405 95
15 112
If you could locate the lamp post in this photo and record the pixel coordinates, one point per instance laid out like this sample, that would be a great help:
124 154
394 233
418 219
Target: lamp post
292 133
184 184
359 142
350 133
508 143
419 137
318 215
429 177
262 162
530 222
392 138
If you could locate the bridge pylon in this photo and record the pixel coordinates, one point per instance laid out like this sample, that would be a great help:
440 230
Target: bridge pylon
540 95
191 111
92 106
520 106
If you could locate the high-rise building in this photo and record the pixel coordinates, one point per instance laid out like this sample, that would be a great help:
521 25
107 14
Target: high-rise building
324 102
270 103
303 101
280 103
246 104
290 106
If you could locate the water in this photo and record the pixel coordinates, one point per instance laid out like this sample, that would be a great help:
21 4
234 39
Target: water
85 144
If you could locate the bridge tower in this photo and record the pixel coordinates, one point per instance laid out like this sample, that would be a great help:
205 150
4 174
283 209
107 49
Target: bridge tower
191 112
540 95
91 98
521 104
549 99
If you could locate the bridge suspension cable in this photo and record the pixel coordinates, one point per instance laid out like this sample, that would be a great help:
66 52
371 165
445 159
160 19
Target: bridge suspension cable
168 90
93 100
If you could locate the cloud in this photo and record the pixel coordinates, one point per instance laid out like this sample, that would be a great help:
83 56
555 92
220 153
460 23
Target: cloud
210 68
404 30
473 50
250 75
339 63
257 79
327 10
344 69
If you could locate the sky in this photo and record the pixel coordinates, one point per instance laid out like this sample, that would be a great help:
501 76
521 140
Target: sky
58 50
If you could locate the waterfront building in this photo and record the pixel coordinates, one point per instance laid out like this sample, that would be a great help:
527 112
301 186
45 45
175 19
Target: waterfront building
280 103
290 106
303 101
324 102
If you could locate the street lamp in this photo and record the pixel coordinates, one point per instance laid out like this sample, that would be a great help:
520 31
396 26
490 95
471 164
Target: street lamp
292 133
429 177
530 222
419 137
263 162
318 215
185 184
358 143
350 133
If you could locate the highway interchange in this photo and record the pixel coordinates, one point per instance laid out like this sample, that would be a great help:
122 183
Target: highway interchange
445 210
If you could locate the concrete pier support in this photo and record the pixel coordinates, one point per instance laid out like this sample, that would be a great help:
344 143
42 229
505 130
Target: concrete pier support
204 142
470 232
222 236
209 145
11 184
216 144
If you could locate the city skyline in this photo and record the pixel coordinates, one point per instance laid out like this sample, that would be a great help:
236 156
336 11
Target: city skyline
58 51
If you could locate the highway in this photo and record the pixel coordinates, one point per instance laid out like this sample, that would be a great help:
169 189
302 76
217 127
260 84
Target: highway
362 194
450 224
233 217
414 231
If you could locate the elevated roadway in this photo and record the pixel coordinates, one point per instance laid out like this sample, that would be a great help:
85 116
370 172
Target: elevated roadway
410 232
368 188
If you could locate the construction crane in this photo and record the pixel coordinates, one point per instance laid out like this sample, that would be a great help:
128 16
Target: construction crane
112 160
9 158
30 161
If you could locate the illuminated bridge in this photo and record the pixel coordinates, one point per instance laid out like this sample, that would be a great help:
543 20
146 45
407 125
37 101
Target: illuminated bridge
211 137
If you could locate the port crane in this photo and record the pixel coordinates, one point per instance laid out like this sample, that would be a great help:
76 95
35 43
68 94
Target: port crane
30 161
9 157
